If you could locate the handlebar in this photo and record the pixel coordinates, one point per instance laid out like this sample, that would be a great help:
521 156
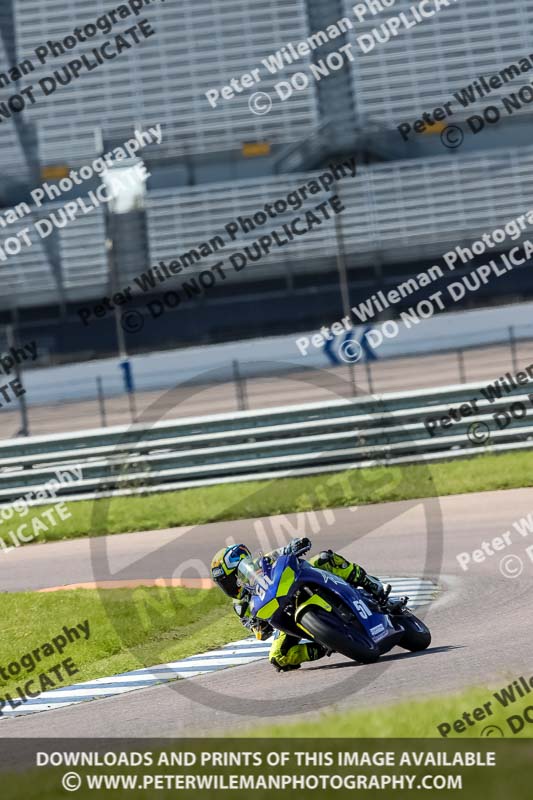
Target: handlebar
302 550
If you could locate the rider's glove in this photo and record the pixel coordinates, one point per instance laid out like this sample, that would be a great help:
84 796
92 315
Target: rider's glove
241 607
298 547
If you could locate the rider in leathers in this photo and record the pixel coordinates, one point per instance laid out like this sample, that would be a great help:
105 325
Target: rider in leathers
286 652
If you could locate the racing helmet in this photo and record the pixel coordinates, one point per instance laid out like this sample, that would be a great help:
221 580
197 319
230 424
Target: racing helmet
224 567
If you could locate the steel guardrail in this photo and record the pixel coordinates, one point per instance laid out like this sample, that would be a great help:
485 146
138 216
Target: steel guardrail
265 444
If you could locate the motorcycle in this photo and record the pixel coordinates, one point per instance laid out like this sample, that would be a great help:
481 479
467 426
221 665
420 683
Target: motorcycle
303 601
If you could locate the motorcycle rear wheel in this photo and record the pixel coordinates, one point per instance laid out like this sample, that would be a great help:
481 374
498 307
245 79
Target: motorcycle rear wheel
331 632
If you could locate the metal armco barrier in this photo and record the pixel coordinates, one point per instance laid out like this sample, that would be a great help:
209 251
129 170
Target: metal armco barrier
266 444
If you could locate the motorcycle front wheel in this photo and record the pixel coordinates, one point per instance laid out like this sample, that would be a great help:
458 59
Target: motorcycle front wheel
417 635
331 632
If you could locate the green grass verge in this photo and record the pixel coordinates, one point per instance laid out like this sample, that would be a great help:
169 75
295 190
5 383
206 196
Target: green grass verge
413 719
128 629
285 495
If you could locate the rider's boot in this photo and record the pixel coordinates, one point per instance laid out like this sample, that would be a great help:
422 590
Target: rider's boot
374 587
313 651
397 606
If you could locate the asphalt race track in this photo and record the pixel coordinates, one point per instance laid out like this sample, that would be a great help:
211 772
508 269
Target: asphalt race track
479 622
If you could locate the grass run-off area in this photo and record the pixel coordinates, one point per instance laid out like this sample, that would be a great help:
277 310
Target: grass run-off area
419 719
284 495
128 629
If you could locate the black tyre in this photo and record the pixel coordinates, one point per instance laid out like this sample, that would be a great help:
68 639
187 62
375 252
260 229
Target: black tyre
416 636
331 632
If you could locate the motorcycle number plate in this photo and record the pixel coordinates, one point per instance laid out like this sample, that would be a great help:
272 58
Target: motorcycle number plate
263 584
362 608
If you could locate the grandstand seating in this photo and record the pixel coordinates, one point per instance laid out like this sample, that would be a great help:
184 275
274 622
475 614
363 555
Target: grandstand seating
181 220
28 277
13 159
200 46
70 264
396 212
83 257
422 67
